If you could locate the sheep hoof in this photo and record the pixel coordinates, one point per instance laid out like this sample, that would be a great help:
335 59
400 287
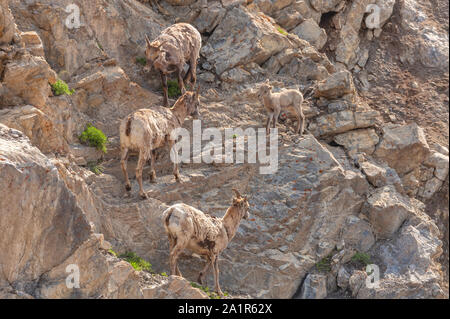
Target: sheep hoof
143 196
128 188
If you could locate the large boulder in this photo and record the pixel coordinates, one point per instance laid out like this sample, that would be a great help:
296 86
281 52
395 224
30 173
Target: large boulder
403 147
314 287
357 141
7 26
387 210
243 37
310 31
336 86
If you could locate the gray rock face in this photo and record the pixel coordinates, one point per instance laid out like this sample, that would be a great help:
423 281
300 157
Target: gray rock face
310 31
242 37
387 210
357 234
336 86
403 147
314 287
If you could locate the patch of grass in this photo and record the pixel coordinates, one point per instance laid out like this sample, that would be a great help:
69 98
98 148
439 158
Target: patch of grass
112 252
164 274
361 258
137 262
99 45
94 137
173 89
140 60
324 265
95 167
282 31
60 87
211 295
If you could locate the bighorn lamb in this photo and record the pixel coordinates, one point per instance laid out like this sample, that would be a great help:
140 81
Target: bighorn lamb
176 45
145 130
288 99
205 235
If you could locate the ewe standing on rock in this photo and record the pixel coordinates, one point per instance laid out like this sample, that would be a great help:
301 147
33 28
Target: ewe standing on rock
288 99
145 130
188 227
176 45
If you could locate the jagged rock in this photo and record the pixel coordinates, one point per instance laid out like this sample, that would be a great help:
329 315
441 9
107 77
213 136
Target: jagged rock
242 37
180 2
357 281
27 78
325 6
410 262
357 141
314 287
209 17
310 31
387 210
379 175
7 26
341 122
357 234
430 187
33 43
343 278
403 147
90 154
336 86
37 126
440 163
175 288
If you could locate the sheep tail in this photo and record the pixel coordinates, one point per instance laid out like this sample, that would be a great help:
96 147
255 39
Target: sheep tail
128 126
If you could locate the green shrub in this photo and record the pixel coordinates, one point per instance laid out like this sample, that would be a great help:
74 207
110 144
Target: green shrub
94 137
173 89
361 258
324 265
137 262
141 61
112 252
164 274
60 87
211 295
281 30
95 167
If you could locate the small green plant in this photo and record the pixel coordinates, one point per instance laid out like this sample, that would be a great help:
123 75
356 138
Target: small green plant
95 167
211 295
60 87
281 30
94 137
361 258
173 89
141 60
99 45
324 265
112 252
234 135
164 274
137 262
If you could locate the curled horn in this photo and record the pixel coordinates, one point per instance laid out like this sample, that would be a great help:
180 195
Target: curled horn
236 192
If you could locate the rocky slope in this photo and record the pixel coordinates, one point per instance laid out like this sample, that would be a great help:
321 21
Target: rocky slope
369 178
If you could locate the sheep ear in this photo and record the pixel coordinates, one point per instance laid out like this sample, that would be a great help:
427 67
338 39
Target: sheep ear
148 41
238 195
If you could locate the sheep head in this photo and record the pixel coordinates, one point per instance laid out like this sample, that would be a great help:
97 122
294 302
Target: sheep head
264 89
241 203
192 101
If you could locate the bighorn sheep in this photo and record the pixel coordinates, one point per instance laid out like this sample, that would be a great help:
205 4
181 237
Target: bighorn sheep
205 235
168 53
288 99
148 129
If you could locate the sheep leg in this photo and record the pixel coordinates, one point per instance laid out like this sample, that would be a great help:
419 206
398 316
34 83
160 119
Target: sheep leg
215 264
301 123
275 117
174 253
140 165
180 81
152 167
269 117
176 172
165 89
203 272
123 163
193 72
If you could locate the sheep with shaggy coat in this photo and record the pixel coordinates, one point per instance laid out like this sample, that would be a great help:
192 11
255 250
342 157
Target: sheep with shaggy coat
176 45
205 235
